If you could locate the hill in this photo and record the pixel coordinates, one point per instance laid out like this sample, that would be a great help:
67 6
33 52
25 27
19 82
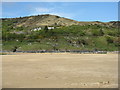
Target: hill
51 32
50 20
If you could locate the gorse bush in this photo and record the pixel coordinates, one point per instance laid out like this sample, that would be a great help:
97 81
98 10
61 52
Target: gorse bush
74 37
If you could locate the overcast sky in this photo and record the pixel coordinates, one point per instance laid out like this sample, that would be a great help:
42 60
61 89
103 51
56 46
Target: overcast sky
80 11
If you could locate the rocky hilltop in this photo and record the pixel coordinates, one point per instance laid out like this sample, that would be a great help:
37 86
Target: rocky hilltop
51 20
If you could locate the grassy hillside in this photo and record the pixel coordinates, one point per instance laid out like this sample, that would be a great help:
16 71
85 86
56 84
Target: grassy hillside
62 37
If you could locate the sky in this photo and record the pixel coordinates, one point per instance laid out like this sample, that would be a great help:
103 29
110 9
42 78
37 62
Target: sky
80 11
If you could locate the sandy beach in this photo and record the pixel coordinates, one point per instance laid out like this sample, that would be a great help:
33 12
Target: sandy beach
63 70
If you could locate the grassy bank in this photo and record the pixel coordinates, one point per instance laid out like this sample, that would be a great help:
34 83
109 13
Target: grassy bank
75 37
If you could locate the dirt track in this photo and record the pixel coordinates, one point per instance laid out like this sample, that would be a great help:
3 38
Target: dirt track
60 71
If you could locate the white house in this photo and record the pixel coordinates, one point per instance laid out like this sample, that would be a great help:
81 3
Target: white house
36 29
51 28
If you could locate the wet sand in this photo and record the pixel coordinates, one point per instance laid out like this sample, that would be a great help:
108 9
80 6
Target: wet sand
60 70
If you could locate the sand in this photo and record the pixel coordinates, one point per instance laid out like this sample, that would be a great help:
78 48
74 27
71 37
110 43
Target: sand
60 70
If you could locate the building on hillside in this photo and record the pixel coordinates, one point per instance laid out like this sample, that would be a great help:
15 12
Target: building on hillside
51 28
36 29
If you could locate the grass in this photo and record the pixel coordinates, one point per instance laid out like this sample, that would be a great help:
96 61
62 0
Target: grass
88 37
3 54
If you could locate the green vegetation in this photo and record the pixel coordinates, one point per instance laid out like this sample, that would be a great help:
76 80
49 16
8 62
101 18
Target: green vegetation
3 53
75 37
